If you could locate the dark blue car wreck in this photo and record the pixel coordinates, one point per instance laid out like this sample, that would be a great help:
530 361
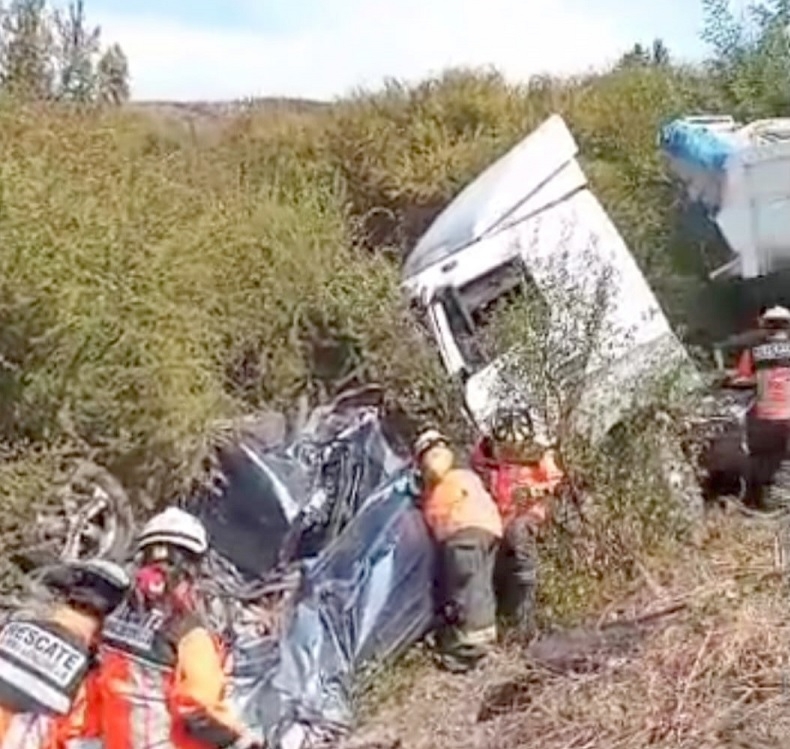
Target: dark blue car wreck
320 564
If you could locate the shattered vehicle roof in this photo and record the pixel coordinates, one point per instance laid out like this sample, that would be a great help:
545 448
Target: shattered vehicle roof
320 562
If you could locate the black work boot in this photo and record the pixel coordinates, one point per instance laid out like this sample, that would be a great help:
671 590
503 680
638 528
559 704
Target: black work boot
524 619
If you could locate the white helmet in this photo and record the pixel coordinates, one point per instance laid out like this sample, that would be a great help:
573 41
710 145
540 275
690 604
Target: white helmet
103 569
776 314
174 527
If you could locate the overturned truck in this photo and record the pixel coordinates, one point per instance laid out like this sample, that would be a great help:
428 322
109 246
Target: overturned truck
529 226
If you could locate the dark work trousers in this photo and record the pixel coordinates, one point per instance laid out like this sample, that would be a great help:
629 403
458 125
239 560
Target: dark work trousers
467 597
516 577
769 479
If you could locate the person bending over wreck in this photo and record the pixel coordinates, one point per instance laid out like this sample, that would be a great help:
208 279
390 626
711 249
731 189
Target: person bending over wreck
466 525
766 364
522 475
162 674
48 694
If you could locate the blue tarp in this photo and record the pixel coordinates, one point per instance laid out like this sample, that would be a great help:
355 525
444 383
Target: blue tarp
366 564
696 144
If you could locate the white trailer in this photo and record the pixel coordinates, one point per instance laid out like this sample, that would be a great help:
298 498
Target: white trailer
740 174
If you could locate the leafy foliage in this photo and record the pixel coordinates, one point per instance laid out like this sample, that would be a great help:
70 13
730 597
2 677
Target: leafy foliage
54 54
639 56
751 63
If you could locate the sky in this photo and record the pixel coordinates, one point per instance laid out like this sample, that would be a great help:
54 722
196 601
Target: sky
186 50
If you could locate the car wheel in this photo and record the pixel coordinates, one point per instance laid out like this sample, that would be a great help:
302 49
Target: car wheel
93 517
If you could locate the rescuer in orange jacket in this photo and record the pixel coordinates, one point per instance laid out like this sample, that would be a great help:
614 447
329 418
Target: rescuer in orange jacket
48 694
766 364
523 476
162 677
466 525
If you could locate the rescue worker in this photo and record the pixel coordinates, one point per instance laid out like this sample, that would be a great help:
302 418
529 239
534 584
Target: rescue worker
48 694
467 528
522 474
766 365
162 677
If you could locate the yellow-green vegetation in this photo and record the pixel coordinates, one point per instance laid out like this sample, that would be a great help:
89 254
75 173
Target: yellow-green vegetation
156 278
153 282
152 287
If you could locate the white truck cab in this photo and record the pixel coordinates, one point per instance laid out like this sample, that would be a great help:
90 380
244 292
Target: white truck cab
531 214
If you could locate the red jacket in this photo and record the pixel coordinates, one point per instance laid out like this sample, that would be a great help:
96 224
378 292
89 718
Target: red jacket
519 488
773 387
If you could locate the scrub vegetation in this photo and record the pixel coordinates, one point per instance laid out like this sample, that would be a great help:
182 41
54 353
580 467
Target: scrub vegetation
164 270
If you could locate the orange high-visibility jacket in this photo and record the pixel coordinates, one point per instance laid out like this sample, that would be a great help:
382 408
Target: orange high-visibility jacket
458 502
158 688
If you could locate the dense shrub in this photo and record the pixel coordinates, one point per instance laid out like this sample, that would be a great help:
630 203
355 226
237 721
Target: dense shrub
149 290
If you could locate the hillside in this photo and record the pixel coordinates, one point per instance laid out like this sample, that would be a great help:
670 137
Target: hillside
212 110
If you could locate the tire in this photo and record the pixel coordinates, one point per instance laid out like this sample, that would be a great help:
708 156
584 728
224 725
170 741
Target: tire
102 521
90 516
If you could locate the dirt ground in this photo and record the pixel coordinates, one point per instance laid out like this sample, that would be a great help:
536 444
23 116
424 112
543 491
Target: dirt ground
696 656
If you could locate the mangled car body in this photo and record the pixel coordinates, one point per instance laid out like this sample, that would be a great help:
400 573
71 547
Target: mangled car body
320 563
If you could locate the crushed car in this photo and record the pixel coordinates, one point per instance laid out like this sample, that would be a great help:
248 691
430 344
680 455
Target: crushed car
320 562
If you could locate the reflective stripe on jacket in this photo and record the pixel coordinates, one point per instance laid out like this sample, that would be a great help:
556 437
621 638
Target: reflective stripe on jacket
47 730
82 724
26 731
769 363
457 502
156 687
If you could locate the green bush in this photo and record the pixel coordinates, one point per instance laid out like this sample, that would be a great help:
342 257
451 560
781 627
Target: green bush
148 291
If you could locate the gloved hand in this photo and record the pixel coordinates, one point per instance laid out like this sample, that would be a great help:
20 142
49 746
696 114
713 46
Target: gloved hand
208 732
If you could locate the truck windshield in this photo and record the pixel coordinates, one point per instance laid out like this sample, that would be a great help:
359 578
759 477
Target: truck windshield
471 309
